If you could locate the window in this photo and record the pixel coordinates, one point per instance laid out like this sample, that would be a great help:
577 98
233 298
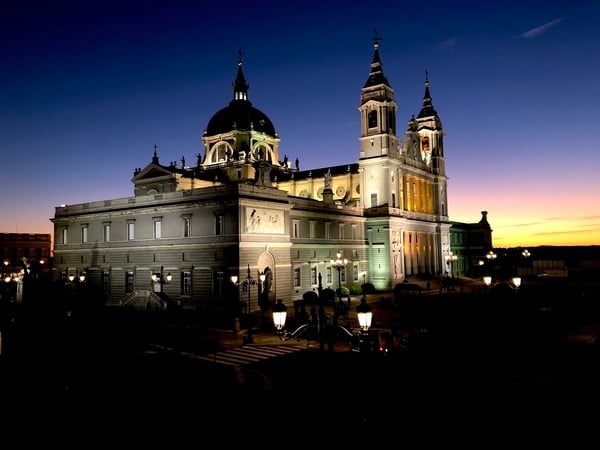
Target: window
129 282
327 230
157 228
187 225
106 282
64 236
355 272
106 231
313 275
328 274
130 231
372 119
341 231
394 200
354 232
186 283
313 226
296 228
219 153
373 200
84 233
297 279
219 224
218 280
343 275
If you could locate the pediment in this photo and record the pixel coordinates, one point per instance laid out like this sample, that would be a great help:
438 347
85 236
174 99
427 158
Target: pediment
150 172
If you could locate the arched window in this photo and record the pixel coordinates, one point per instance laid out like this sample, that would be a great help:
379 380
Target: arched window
372 119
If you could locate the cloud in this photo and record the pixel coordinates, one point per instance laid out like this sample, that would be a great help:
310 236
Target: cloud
535 32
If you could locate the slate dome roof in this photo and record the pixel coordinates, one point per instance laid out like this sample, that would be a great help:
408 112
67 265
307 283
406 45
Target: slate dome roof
240 115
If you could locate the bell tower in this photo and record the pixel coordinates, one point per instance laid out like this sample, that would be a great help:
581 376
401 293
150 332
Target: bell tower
377 113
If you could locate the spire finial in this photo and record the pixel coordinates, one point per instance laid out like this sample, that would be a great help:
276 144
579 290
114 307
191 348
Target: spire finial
376 38
240 57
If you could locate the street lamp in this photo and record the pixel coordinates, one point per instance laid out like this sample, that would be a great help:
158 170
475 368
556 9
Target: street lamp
364 275
451 260
279 315
249 281
516 282
365 314
339 264
161 279
307 330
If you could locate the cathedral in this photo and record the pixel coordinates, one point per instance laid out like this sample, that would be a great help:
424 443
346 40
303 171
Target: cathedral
243 225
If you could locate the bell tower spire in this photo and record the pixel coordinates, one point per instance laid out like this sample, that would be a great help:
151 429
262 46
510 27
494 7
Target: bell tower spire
377 111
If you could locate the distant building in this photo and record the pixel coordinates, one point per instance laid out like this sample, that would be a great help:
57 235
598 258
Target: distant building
471 242
241 209
23 254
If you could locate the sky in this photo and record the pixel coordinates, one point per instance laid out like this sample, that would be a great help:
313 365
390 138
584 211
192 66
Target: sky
88 88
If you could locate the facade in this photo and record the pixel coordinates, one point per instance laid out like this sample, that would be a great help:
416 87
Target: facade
23 255
242 210
470 243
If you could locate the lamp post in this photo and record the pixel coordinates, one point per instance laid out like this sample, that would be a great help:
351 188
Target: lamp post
160 279
249 281
279 315
364 275
363 337
451 260
339 264
516 282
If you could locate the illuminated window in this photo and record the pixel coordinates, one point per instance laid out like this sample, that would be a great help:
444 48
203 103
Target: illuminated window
106 231
187 226
130 231
64 236
84 233
186 283
157 228
219 224
313 275
297 279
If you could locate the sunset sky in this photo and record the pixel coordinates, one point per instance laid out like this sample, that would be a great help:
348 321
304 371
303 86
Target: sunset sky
87 88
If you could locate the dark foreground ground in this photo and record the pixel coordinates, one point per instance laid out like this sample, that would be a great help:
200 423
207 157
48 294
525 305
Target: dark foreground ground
475 374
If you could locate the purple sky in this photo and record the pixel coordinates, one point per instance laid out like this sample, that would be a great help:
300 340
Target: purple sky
87 88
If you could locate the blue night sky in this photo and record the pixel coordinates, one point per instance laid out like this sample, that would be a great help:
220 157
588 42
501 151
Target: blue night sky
89 87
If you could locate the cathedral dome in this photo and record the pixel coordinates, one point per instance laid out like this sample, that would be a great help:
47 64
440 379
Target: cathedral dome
240 115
